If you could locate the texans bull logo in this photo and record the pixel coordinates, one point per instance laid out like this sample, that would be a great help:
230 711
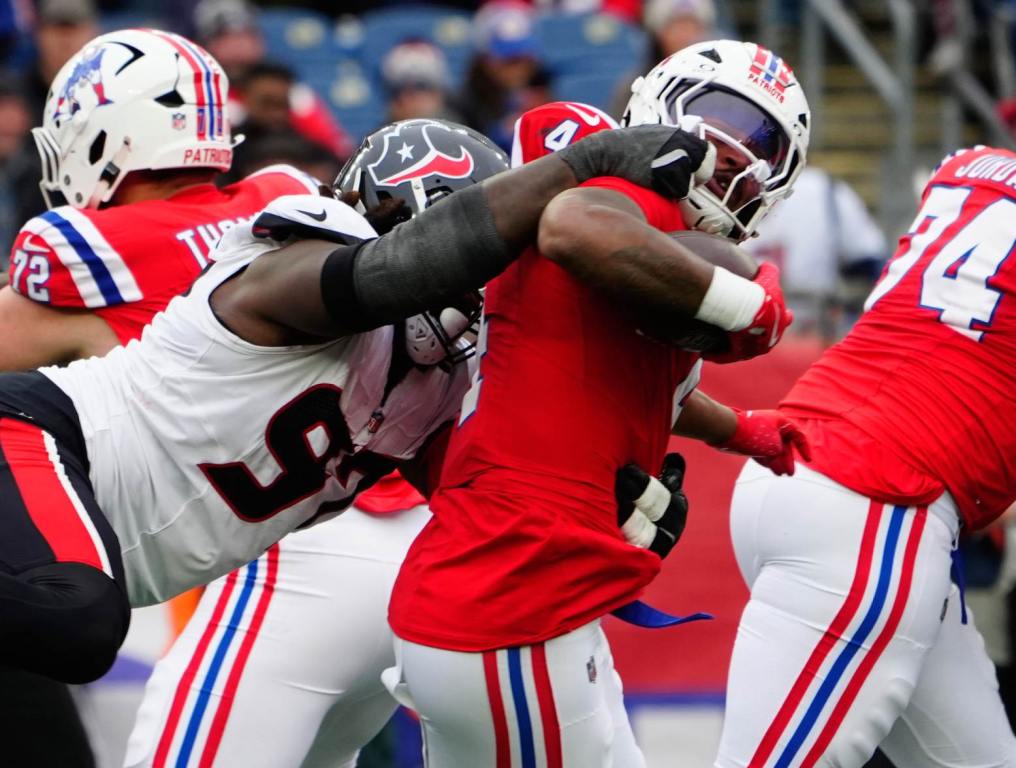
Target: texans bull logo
433 162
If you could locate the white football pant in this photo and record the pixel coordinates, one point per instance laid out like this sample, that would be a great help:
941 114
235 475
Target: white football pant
281 664
852 638
557 704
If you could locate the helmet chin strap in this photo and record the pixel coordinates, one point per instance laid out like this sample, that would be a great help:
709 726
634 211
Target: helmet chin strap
111 176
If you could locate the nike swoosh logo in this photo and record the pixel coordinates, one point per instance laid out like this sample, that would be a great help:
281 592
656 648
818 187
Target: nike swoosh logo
590 119
28 246
316 216
671 157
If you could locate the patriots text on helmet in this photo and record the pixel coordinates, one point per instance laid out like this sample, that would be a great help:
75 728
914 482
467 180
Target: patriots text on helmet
207 156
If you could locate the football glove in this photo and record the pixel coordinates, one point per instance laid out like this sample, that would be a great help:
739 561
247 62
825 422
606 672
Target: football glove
770 438
652 512
665 159
766 328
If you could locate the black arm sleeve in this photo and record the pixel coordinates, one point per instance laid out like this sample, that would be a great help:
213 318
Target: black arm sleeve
442 253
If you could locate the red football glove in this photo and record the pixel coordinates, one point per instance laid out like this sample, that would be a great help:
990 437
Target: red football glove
766 328
770 438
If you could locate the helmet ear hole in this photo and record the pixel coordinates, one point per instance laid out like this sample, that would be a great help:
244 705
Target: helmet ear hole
98 147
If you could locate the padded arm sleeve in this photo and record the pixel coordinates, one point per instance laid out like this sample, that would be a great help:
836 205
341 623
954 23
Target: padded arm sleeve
442 253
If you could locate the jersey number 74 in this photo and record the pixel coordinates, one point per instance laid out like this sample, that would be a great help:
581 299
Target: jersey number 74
957 264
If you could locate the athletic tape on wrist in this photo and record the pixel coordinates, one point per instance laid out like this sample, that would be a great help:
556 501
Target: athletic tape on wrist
654 500
638 530
731 302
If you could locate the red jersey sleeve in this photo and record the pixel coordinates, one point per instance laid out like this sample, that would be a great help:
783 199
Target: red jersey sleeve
60 258
661 213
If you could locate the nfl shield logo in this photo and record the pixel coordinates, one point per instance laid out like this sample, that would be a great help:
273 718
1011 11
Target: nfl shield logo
179 121
591 669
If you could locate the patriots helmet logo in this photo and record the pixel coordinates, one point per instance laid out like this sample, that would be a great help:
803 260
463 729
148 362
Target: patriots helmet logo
770 72
83 88
420 162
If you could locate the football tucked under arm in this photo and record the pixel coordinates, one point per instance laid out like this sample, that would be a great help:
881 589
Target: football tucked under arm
689 289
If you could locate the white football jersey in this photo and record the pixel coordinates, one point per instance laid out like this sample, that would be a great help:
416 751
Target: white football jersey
205 449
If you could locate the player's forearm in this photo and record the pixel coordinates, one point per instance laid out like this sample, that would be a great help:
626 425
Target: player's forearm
454 247
623 257
705 419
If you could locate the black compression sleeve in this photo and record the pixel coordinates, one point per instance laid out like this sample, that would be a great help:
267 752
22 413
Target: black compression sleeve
439 255
337 289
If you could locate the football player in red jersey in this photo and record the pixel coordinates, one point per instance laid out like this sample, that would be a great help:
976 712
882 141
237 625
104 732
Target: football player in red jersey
133 135
84 280
855 637
501 595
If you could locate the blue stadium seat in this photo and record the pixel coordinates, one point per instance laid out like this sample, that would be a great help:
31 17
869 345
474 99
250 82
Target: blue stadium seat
596 89
292 33
354 98
590 44
448 28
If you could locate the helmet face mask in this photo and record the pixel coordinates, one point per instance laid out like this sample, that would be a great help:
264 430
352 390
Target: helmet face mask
421 162
747 103
131 100
445 337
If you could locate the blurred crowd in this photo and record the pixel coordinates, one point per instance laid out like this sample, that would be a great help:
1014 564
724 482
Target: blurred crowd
308 82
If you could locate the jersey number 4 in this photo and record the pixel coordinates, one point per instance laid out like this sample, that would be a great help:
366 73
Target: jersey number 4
956 281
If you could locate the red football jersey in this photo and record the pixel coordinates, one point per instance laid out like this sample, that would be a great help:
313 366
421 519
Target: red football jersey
524 543
920 397
389 494
126 262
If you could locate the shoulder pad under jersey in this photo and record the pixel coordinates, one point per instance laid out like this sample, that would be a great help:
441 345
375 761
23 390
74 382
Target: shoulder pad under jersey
553 126
286 177
306 217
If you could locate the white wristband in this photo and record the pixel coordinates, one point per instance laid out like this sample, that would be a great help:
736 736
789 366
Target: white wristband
654 500
731 302
638 530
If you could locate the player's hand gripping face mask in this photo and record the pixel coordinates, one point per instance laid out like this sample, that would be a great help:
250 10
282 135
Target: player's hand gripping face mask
746 102
422 162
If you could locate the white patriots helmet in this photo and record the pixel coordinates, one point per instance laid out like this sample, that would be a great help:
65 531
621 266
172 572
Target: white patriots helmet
746 101
136 99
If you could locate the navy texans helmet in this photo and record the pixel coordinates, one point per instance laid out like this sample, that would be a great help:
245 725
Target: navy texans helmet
422 161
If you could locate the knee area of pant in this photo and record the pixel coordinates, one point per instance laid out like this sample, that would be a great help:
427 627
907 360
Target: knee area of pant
874 725
89 614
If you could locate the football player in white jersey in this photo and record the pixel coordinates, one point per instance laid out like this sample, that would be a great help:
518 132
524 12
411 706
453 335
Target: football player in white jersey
304 654
85 279
263 400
